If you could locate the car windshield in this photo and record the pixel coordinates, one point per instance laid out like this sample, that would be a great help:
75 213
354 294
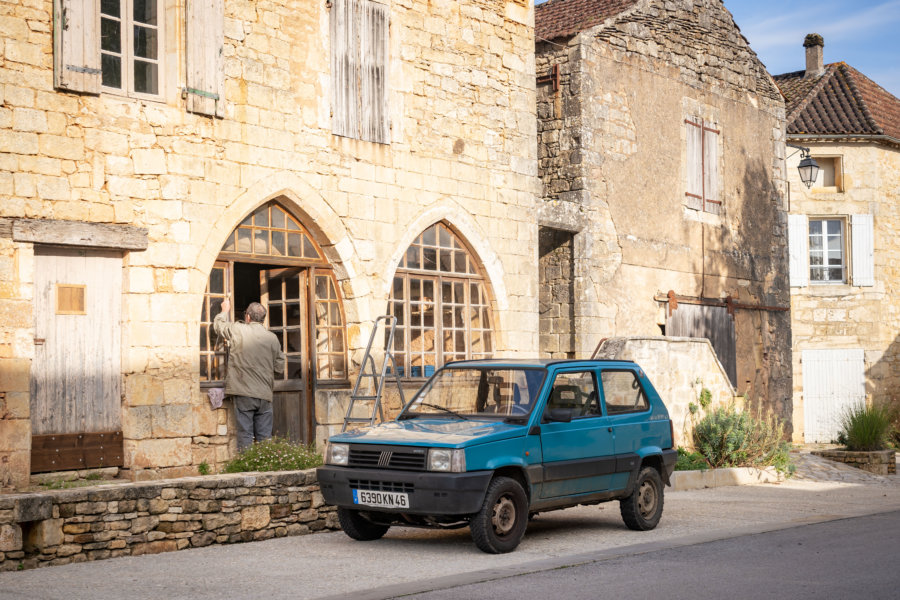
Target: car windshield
465 392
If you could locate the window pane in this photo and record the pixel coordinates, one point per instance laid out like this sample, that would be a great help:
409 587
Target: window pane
294 341
243 244
145 11
112 70
217 281
278 243
275 290
261 217
110 35
398 288
815 227
293 244
145 42
412 257
278 217
229 244
835 275
309 250
294 367
145 77
292 288
429 236
430 259
834 227
110 7
276 315
445 238
261 245
293 315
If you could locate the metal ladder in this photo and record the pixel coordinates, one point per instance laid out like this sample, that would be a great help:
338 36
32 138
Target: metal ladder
367 371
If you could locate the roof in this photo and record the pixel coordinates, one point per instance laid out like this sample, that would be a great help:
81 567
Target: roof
842 101
534 363
559 18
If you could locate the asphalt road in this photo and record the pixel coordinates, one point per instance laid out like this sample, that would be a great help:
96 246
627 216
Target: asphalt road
849 558
414 561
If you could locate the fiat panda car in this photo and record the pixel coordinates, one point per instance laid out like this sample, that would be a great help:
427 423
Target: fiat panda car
487 443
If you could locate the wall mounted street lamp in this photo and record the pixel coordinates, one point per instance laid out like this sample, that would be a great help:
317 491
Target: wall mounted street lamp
808 167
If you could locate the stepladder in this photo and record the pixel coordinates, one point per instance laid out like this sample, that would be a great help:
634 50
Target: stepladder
369 387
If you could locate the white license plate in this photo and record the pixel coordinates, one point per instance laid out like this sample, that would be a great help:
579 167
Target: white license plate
381 499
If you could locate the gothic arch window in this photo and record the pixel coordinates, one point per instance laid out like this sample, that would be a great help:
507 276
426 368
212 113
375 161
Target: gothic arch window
440 299
271 258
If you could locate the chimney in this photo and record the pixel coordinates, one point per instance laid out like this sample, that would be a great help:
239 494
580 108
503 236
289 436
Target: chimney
815 55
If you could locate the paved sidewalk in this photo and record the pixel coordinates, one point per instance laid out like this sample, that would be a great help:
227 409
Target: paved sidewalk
410 560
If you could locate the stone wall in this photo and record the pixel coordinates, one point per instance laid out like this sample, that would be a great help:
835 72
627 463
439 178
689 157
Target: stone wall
679 368
93 523
461 104
846 316
557 291
612 159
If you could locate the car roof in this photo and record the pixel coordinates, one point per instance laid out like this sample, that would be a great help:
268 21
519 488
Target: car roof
539 363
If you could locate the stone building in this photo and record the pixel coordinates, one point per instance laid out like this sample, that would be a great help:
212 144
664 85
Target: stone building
335 160
843 249
663 212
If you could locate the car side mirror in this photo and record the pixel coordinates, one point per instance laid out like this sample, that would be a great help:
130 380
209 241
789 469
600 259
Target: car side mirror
562 415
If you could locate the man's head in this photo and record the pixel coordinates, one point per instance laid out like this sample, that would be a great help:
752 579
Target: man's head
255 313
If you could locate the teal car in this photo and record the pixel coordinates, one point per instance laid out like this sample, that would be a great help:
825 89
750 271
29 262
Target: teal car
488 443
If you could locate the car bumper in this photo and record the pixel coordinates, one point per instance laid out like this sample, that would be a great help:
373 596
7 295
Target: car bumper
429 493
669 457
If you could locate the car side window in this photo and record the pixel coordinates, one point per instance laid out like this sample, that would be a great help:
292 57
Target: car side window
623 393
576 392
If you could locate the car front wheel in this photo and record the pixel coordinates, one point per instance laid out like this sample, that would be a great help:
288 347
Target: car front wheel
358 527
500 524
642 510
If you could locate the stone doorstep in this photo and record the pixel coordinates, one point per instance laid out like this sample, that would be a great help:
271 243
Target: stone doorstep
696 480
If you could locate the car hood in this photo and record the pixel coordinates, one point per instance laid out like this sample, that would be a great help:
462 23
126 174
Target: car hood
433 432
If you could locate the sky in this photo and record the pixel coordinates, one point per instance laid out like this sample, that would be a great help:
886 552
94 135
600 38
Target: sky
862 33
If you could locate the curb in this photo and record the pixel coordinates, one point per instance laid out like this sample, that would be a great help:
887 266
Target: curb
697 480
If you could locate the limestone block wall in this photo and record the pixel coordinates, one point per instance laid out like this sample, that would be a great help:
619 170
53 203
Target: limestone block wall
612 156
461 103
68 526
845 315
679 368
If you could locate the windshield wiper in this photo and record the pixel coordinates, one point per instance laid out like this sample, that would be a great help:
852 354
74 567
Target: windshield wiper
443 408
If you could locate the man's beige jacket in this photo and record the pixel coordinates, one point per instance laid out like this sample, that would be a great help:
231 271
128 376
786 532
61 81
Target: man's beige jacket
254 357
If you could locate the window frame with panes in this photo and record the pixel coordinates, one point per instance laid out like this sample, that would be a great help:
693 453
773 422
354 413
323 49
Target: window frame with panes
140 45
438 260
825 256
702 186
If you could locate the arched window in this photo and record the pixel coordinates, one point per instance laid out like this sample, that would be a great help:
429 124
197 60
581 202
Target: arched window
271 258
440 300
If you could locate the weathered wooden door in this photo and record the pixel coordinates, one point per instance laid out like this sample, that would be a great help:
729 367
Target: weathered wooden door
833 381
710 322
76 374
285 294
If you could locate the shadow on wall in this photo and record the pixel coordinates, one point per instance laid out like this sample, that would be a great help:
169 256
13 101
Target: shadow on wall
883 377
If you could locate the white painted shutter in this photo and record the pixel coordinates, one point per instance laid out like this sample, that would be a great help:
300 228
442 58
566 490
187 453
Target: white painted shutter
76 45
863 250
798 245
833 381
374 70
694 190
711 169
205 61
359 67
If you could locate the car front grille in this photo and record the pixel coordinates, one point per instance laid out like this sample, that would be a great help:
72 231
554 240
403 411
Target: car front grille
382 486
402 458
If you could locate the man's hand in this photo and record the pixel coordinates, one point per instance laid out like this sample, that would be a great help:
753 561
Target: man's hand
226 305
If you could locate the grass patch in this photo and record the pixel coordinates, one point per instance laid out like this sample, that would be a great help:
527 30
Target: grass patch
275 454
689 460
865 428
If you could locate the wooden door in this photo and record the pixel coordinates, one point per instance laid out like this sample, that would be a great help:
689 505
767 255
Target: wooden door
76 373
285 294
710 322
833 382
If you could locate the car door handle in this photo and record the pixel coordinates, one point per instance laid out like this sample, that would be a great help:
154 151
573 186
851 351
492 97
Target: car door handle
609 429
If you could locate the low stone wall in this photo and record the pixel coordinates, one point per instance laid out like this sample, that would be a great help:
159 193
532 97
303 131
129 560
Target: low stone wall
64 526
879 462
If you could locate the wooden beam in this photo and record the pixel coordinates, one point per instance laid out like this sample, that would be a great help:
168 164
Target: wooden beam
6 227
77 233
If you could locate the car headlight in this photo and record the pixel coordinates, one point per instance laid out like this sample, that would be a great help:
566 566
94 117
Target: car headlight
337 454
446 460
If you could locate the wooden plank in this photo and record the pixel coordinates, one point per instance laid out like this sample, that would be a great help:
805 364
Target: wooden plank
65 452
833 381
862 253
205 35
76 45
798 250
710 322
77 233
6 227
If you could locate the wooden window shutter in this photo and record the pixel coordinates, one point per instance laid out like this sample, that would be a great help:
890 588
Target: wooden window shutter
863 250
711 169
76 45
798 247
205 32
694 189
359 66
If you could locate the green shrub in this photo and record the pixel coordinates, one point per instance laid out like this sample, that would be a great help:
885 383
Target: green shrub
727 437
275 454
689 460
866 427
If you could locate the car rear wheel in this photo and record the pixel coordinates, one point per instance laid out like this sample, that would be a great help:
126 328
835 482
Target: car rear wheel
642 510
358 527
500 524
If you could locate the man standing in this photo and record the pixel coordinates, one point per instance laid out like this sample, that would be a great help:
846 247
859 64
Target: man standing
254 357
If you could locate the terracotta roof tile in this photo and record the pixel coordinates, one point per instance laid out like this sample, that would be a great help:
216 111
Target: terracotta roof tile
841 101
558 18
